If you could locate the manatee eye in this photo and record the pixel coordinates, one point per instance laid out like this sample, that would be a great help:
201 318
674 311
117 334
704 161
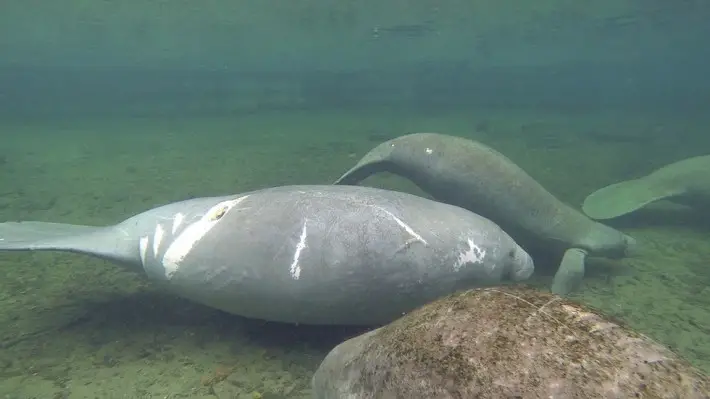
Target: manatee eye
511 253
218 215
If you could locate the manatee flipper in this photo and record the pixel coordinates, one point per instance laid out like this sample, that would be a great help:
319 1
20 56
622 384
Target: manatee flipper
570 273
625 197
101 242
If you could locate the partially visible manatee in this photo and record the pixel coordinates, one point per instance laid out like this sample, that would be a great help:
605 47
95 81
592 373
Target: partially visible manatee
508 342
469 174
685 182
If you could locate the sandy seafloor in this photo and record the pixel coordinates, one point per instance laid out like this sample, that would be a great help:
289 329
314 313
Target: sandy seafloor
76 327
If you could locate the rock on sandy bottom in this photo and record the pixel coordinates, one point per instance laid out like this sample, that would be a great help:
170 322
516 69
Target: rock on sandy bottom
506 342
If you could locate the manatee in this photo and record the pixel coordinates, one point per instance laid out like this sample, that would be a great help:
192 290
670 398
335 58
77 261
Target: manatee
318 254
507 342
474 176
685 182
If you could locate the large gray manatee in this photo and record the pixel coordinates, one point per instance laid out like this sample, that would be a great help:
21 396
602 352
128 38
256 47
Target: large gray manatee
508 342
474 176
299 254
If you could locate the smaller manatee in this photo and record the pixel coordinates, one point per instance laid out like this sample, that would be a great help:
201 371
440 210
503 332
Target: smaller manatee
474 176
507 342
685 182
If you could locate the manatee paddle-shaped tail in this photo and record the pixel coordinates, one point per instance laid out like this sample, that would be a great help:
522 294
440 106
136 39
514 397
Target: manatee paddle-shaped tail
686 182
101 242
622 198
373 162
471 175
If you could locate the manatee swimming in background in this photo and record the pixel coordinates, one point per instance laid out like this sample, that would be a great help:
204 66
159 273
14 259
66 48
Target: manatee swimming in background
507 342
469 174
685 182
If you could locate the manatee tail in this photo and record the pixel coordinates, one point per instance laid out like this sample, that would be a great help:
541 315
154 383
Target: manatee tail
622 198
360 172
101 242
375 161
38 236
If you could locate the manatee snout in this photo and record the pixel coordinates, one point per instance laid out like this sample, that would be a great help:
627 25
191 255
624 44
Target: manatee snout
522 266
623 246
632 247
611 243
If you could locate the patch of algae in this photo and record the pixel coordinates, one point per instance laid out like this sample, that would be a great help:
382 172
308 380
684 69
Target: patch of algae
518 342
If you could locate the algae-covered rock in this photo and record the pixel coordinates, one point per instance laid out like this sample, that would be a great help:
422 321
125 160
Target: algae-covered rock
508 342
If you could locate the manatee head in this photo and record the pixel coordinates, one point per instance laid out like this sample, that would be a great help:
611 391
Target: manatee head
605 241
521 265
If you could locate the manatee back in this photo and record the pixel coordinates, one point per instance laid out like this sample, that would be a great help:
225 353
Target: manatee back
503 343
337 254
472 175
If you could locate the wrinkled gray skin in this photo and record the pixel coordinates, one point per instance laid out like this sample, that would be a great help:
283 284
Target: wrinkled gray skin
508 342
471 175
300 254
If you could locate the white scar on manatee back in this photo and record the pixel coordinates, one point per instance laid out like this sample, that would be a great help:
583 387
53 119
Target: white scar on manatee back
157 239
143 248
181 245
406 227
177 221
193 233
473 254
295 268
